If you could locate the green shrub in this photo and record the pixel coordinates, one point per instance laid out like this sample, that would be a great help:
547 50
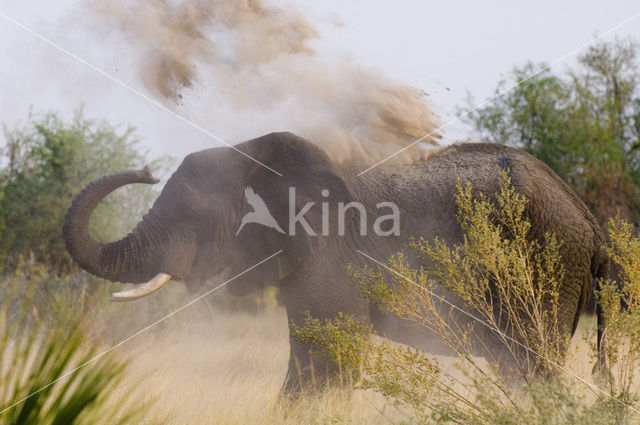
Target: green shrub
51 372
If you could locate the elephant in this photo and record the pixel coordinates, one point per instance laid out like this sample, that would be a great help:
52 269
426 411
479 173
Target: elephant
307 218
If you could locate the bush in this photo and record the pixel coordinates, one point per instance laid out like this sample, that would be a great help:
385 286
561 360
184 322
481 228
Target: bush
524 276
623 324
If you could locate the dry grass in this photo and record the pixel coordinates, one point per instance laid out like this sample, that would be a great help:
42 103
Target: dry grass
227 368
229 371
207 365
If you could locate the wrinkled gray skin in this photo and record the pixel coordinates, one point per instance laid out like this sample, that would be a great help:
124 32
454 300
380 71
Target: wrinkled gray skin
190 232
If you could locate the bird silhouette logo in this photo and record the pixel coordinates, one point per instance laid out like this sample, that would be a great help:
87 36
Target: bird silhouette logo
260 213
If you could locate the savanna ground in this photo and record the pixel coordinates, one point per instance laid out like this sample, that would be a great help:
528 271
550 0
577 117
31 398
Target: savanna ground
211 364
229 371
207 364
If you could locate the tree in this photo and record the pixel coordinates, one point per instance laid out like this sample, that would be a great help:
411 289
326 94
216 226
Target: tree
44 165
585 125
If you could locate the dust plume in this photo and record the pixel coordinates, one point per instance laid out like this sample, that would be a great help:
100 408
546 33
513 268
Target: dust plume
258 58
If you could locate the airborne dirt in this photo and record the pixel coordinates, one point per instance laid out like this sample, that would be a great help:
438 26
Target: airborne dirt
260 58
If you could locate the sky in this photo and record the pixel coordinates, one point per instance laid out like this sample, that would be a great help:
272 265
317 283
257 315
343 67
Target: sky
447 49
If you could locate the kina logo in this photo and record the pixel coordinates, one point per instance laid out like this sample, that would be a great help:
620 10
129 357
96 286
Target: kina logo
260 213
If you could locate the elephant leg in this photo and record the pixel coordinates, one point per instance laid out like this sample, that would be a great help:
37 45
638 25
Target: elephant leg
309 369
323 293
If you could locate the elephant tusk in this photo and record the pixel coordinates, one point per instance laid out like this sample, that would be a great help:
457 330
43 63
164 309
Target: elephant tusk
145 289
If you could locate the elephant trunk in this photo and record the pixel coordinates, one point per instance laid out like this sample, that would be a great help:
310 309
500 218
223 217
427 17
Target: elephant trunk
135 258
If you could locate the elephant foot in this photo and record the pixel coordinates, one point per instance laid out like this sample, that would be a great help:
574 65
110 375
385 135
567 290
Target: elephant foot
311 380
302 382
602 375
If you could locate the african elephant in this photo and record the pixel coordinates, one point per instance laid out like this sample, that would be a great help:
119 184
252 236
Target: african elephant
198 227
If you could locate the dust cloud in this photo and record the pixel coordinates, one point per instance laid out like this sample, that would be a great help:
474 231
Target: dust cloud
258 58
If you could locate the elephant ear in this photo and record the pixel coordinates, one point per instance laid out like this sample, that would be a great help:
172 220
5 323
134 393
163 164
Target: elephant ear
309 179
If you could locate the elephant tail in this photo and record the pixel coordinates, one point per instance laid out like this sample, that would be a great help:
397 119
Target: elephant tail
601 273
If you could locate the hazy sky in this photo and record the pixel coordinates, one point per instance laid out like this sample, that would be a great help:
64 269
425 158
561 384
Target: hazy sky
445 48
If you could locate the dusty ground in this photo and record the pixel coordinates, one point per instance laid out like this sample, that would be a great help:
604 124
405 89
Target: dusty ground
226 368
230 372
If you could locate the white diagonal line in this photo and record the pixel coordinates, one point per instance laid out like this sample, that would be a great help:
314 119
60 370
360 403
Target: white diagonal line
579 378
492 98
133 90
141 331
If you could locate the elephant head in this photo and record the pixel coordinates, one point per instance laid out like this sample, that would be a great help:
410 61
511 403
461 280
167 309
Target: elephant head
194 229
